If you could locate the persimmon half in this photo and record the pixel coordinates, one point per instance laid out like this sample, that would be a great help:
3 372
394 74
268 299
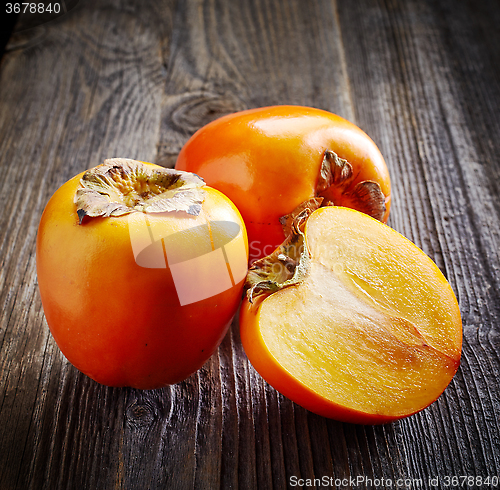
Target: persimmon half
272 161
351 320
140 270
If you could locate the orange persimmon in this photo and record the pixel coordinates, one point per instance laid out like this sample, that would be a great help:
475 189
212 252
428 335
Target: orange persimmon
140 270
271 161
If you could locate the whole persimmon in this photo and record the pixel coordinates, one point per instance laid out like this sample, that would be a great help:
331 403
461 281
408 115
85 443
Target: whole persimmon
351 320
140 270
274 161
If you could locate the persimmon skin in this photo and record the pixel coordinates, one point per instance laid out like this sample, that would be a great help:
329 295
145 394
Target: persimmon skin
267 161
117 322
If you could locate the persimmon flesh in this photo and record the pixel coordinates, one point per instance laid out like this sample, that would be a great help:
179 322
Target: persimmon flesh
370 333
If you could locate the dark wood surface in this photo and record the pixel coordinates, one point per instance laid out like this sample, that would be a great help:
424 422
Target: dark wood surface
136 79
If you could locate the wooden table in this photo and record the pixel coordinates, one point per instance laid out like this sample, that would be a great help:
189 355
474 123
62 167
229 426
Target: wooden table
136 79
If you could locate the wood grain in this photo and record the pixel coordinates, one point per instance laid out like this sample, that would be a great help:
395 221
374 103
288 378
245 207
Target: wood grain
136 79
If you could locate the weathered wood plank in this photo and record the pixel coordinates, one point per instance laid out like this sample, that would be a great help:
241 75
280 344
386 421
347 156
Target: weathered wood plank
72 93
229 56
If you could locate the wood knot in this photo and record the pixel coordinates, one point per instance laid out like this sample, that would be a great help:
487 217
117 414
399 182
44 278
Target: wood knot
197 109
141 413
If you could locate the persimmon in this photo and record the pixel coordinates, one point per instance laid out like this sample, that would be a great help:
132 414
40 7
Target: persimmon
140 270
351 320
272 161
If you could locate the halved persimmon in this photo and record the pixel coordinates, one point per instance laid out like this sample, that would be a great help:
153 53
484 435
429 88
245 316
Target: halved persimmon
351 320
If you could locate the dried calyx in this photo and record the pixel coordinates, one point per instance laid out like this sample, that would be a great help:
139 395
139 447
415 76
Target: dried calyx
120 186
337 173
288 265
